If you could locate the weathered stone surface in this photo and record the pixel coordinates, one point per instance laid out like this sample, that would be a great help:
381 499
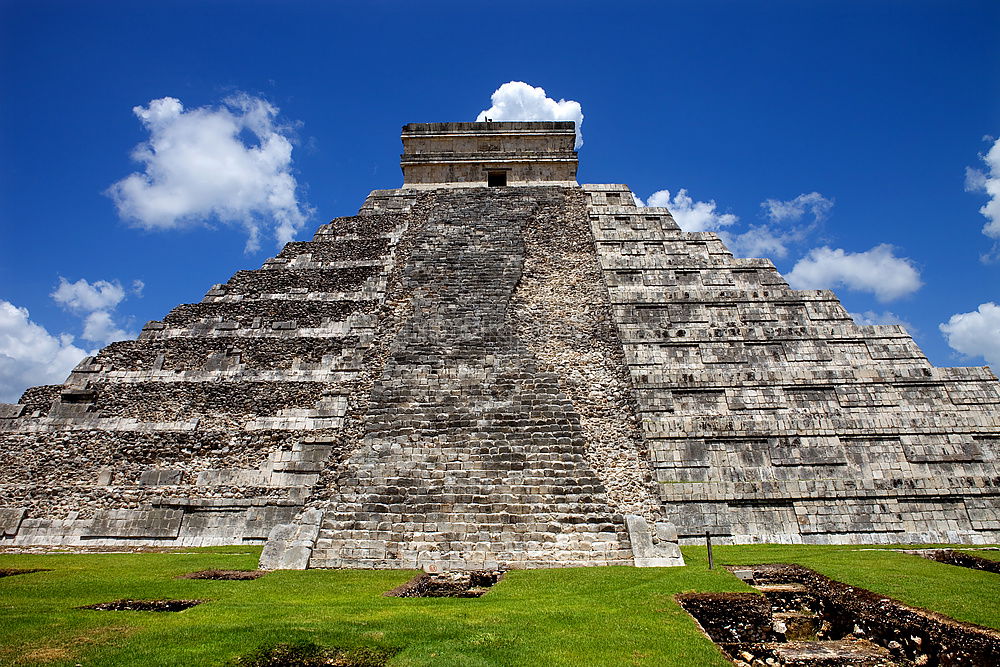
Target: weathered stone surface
469 377
441 155
220 417
472 456
289 546
656 547
770 416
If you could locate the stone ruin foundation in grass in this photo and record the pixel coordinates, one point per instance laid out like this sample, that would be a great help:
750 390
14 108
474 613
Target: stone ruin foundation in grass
224 575
12 571
464 584
144 605
804 619
960 558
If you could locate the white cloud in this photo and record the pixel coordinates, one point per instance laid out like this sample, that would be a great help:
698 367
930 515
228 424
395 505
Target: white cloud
691 215
99 327
877 271
137 287
759 241
516 100
94 302
794 209
870 317
196 167
85 297
976 334
30 355
773 240
988 182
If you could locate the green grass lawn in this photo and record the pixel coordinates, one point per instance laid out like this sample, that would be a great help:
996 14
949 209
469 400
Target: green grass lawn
580 616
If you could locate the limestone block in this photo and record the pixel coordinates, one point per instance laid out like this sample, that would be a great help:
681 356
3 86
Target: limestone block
807 451
160 476
647 553
260 521
984 512
289 546
11 411
10 520
940 447
849 515
149 523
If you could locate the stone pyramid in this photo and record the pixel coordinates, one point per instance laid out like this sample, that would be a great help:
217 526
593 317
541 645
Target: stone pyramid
493 366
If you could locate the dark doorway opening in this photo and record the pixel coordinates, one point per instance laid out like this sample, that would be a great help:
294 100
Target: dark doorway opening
496 179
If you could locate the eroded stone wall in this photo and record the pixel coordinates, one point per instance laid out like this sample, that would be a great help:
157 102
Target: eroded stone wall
216 424
562 314
473 456
484 377
771 417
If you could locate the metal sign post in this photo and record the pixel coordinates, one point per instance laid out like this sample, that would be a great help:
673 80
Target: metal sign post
708 541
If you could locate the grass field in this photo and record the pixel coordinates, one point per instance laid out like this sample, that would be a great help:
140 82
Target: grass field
586 616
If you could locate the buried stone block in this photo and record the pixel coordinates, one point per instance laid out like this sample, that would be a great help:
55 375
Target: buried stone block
290 545
653 548
10 520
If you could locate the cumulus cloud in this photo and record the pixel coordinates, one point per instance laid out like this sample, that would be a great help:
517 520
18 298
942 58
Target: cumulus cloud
763 240
197 168
878 271
30 355
759 241
516 100
793 210
976 334
870 317
691 215
988 182
84 297
788 225
101 328
95 302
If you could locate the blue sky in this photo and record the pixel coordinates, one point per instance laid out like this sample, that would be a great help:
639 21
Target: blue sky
876 107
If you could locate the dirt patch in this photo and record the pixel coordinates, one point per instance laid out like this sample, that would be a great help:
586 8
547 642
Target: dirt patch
45 655
962 559
63 651
144 605
803 618
465 584
307 654
224 575
12 571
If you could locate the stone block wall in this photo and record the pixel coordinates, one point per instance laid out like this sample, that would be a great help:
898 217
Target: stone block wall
769 416
473 456
216 423
504 377
439 155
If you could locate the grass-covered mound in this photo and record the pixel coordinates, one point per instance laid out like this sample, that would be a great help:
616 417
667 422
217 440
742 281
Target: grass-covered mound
579 616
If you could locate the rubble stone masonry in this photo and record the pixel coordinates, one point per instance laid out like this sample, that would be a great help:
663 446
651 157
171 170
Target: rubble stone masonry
477 377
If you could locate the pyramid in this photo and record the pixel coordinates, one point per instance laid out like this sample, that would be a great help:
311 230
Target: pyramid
493 367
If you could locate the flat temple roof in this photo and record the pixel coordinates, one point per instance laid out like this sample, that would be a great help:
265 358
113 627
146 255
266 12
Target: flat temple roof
514 127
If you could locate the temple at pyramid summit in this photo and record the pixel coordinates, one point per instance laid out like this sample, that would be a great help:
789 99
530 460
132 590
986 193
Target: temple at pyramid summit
493 366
